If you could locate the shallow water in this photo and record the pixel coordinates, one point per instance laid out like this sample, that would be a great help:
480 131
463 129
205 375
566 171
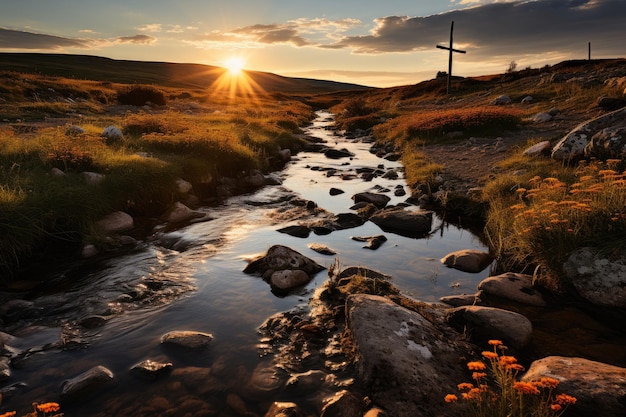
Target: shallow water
198 284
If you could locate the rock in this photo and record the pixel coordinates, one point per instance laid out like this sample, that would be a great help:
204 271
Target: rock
460 300
406 355
572 145
183 187
73 130
85 383
379 200
338 153
280 257
5 368
609 143
597 279
115 222
391 174
323 249
343 404
513 286
347 221
264 381
289 279
336 191
296 231
283 409
501 100
364 272
93 322
151 369
527 100
285 155
542 117
180 213
467 260
599 388
187 339
485 323
92 178
89 251
403 222
540 148
57 173
306 382
375 412
254 180
611 103
273 179
112 133
373 242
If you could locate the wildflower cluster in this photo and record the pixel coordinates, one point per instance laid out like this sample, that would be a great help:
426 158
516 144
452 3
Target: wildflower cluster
553 214
49 409
508 396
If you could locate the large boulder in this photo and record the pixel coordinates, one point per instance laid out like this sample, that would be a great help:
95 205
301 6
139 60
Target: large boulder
85 383
408 363
467 260
572 145
279 258
599 388
485 323
187 339
180 213
115 222
609 143
404 222
597 279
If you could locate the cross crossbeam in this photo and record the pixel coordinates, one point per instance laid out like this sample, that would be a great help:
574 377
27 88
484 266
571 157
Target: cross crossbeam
451 51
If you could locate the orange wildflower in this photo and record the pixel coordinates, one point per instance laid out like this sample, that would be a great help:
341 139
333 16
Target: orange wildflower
476 366
450 398
48 407
495 342
8 414
556 407
547 382
490 355
478 375
515 367
526 388
565 399
465 386
507 360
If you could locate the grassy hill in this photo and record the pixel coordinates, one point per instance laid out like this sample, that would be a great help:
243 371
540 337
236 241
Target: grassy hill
159 73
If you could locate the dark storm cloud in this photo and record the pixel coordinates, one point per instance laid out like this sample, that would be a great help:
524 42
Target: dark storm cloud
522 27
16 39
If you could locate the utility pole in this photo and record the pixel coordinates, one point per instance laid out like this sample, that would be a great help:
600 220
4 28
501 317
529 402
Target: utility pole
589 52
451 50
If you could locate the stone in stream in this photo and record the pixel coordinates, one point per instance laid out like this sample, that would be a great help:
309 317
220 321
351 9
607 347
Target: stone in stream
280 257
338 153
512 286
296 231
283 409
187 339
288 279
87 382
322 249
343 404
373 242
379 200
403 222
467 260
151 369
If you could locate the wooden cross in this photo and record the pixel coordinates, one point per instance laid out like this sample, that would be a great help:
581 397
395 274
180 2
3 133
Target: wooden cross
451 49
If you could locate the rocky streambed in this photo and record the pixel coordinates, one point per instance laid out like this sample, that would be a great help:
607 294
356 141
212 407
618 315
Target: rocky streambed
297 299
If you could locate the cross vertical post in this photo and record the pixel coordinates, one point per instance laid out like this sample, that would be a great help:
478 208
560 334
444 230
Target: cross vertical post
451 50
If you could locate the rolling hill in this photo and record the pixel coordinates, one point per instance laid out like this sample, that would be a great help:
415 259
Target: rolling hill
158 73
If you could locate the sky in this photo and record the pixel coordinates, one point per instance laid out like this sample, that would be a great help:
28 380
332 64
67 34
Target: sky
379 43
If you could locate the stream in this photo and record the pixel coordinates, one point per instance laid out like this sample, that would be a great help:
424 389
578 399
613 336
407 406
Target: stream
113 311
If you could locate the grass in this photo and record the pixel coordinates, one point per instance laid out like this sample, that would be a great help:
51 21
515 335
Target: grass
41 213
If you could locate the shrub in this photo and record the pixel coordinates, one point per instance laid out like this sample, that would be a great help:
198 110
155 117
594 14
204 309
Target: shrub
141 95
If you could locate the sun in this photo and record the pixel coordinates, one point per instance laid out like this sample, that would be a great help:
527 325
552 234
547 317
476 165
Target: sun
235 65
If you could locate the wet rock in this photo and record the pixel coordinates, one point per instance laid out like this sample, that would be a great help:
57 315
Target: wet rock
296 231
335 191
265 380
306 382
180 213
280 257
254 180
597 279
485 323
373 242
322 249
513 286
460 300
289 279
391 174
183 187
599 388
151 369
540 148
187 339
467 260
89 251
93 322
364 272
85 383
18 309
115 222
283 409
379 200
343 404
338 153
399 191
347 221
273 179
375 412
400 354
403 222
5 368
572 145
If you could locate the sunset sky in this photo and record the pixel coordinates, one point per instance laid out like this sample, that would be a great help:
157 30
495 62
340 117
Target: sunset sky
377 43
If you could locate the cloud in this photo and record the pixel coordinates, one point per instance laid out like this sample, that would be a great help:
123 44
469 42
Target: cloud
136 39
151 27
16 39
271 34
501 28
